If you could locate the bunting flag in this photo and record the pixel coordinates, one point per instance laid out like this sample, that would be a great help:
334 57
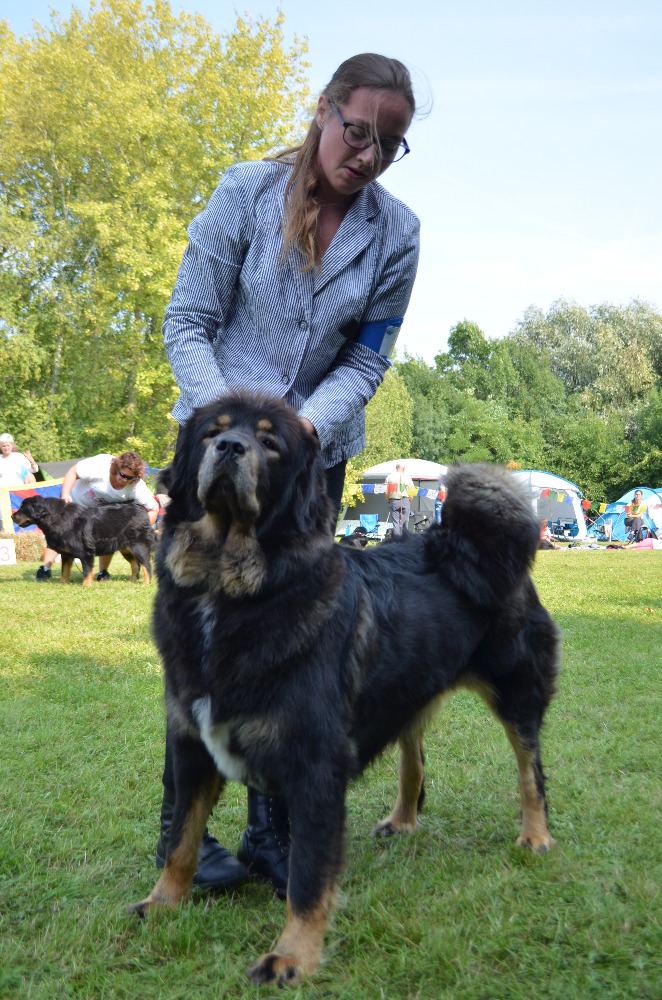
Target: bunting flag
11 498
381 488
560 497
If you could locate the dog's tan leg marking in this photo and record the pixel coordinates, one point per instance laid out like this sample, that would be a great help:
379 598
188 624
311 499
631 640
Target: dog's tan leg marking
535 831
146 575
299 950
403 818
89 579
177 878
135 569
66 570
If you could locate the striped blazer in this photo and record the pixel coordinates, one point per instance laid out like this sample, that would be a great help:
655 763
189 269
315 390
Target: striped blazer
242 316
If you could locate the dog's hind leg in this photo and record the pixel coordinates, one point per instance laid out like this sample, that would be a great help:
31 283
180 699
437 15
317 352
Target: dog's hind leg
411 789
67 563
197 792
142 555
535 830
133 563
521 722
87 565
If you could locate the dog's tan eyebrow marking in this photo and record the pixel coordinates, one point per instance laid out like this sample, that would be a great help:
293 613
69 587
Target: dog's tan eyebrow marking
264 425
224 421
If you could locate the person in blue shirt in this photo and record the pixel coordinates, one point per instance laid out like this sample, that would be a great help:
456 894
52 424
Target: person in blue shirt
295 282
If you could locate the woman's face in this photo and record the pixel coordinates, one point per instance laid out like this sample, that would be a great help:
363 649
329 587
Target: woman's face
344 171
6 448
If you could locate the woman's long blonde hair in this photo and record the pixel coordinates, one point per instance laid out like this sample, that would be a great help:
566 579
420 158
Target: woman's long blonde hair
302 204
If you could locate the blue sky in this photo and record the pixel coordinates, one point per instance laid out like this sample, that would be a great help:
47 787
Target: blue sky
537 174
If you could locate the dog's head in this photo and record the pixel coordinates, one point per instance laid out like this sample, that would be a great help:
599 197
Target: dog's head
33 510
248 461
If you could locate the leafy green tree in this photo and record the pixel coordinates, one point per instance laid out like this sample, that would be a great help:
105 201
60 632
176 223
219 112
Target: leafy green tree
388 423
602 354
646 447
590 449
114 131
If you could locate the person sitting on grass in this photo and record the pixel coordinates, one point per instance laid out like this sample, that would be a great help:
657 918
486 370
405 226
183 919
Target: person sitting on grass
100 480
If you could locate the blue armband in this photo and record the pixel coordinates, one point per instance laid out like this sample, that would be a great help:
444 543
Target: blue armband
381 336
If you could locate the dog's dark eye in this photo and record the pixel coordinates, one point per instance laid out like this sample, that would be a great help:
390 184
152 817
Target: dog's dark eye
270 443
212 432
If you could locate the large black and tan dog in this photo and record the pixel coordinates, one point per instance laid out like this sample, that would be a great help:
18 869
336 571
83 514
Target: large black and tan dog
82 532
291 662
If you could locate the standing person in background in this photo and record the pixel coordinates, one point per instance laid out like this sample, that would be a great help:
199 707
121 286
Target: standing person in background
399 486
439 501
16 468
295 282
100 480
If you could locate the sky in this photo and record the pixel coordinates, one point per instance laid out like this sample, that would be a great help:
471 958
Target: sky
536 173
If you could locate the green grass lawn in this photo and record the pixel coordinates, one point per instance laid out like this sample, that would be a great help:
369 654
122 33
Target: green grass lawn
455 911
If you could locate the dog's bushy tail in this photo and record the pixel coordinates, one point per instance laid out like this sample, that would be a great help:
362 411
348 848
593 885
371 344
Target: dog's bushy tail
489 534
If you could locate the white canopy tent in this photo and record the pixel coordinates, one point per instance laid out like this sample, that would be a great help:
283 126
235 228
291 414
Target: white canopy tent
426 476
557 500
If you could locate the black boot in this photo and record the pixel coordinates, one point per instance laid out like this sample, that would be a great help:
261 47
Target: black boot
217 868
265 846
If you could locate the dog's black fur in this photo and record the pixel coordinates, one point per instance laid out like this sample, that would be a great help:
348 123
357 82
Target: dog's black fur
82 532
291 662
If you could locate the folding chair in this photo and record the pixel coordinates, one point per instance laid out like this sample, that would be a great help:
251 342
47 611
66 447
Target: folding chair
370 522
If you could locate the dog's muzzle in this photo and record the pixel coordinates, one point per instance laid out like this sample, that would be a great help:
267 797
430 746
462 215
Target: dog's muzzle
229 475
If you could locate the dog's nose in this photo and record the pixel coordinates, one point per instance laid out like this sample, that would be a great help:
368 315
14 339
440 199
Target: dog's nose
230 445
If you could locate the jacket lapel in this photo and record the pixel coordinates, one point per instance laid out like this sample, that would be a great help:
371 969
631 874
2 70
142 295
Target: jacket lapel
356 232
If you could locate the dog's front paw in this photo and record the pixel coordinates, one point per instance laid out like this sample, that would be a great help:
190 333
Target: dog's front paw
273 968
166 893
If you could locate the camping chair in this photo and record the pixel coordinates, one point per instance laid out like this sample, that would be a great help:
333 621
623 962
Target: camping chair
370 522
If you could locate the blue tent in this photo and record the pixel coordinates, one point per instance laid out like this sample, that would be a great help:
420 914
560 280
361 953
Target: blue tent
611 524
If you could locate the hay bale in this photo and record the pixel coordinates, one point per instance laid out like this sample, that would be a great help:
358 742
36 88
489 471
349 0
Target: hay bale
29 544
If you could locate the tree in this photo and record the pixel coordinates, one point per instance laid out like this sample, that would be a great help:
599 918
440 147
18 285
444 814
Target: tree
601 354
114 130
646 446
388 433
388 423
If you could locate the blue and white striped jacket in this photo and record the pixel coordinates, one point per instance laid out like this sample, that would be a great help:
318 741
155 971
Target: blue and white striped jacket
241 316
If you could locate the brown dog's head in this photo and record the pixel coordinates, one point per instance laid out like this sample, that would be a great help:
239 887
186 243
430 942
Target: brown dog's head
248 461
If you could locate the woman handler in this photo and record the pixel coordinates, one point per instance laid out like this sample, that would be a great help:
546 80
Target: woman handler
295 282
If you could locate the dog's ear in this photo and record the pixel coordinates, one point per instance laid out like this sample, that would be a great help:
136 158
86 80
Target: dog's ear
180 478
164 480
312 510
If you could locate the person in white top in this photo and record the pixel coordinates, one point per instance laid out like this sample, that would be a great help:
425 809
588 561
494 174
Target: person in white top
100 480
399 486
16 468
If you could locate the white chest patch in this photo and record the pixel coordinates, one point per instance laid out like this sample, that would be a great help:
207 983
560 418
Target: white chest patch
216 738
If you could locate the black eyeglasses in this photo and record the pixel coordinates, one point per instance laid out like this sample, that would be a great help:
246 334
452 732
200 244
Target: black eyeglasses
359 137
127 479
